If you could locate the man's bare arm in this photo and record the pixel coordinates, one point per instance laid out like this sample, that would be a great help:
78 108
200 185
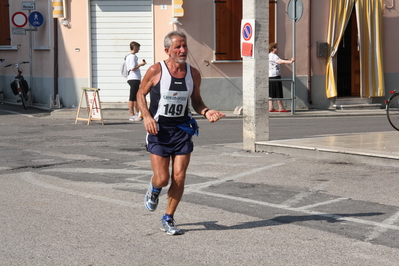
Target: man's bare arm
150 79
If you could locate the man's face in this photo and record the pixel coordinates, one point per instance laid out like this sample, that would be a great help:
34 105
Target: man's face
178 50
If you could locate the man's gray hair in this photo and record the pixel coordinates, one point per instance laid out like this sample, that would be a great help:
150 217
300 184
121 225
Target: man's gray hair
168 38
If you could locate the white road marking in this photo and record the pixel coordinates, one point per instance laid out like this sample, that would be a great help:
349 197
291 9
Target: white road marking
304 211
380 230
300 196
321 203
30 178
99 170
380 226
196 187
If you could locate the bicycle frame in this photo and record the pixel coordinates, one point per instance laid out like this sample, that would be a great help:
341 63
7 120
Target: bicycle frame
19 85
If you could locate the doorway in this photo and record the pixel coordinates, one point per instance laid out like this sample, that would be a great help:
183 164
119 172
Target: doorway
348 61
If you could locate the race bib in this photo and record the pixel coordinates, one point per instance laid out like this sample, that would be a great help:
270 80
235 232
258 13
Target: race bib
173 103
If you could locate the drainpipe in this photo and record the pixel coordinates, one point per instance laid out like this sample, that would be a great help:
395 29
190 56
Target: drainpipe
309 53
55 59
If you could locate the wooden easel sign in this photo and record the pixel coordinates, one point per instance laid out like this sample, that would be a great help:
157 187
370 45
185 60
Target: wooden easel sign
93 106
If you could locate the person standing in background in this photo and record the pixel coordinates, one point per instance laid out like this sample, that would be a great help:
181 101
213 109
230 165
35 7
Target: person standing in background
134 80
276 87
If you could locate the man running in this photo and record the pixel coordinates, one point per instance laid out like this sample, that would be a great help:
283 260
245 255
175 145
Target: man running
172 84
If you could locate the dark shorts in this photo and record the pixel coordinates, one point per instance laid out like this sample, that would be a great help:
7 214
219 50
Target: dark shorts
134 88
170 140
275 88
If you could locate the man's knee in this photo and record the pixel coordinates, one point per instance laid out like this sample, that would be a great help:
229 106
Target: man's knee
161 180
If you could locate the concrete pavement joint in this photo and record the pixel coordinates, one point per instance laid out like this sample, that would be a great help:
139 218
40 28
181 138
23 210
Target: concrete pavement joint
328 150
17 113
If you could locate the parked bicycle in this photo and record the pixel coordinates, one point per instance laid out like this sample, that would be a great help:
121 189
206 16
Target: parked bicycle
20 86
392 108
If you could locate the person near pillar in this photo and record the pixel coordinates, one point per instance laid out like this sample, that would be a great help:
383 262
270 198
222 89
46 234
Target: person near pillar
276 87
172 85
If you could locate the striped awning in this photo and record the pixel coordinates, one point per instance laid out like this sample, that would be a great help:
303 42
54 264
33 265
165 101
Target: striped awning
178 10
58 11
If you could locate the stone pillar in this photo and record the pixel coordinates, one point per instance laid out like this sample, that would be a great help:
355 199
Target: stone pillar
256 77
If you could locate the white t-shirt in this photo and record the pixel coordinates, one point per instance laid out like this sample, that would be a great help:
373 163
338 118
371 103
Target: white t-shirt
274 67
132 62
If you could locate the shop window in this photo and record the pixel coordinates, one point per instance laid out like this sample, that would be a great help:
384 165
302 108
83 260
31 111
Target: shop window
4 23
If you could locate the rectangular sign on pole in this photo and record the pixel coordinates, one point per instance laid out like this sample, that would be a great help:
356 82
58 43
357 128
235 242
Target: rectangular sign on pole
247 39
28 5
18 31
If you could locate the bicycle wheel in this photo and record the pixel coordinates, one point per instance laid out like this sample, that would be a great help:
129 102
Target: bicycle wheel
23 99
393 111
21 94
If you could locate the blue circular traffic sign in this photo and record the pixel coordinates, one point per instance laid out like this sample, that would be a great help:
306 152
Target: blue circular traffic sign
36 19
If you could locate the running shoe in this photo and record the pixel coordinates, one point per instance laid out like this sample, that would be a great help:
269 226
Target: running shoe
135 118
151 198
168 226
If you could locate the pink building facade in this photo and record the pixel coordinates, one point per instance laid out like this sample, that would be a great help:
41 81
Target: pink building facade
87 45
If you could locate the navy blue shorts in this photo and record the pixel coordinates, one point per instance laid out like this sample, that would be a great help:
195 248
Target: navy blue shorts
170 140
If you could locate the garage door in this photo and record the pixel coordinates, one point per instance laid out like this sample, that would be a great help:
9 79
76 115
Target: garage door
114 24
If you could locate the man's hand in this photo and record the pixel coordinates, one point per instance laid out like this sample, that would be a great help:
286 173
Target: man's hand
150 125
213 115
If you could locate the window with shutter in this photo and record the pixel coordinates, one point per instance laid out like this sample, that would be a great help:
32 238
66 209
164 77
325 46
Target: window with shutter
272 21
228 24
4 23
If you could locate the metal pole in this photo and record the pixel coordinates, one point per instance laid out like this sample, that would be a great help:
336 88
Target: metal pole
30 62
55 22
293 93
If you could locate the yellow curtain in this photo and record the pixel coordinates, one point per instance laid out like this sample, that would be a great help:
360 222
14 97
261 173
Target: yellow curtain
369 22
340 13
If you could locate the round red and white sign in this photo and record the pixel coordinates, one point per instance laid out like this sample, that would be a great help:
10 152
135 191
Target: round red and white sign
19 19
247 31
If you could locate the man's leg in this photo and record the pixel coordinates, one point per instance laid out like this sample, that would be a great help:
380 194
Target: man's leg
160 179
176 189
175 193
160 167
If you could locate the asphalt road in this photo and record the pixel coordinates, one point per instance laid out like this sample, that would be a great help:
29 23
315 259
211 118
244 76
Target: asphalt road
72 194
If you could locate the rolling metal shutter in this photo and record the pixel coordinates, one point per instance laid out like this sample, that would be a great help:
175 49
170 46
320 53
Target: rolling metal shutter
114 24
